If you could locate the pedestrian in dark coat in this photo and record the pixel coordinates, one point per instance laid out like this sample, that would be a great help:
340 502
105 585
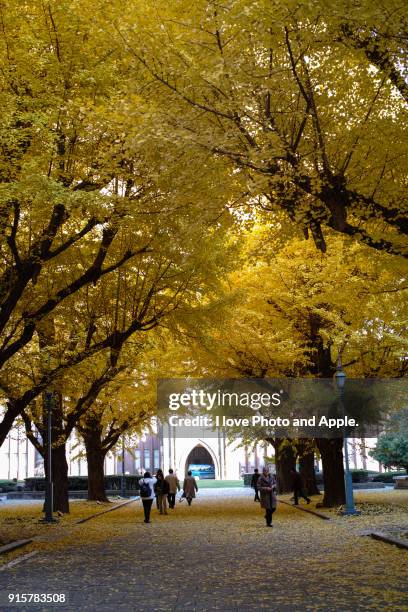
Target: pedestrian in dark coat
254 483
147 499
267 491
298 487
161 488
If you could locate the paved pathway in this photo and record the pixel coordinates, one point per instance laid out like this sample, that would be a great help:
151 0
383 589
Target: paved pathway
215 555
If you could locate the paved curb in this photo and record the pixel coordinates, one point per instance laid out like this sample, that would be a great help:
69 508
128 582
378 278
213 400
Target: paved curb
13 545
88 518
377 535
20 543
319 514
18 560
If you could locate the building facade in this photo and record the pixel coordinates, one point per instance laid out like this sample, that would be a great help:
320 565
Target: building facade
225 460
207 453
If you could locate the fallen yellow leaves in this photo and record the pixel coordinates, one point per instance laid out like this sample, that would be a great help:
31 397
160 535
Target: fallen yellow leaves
225 536
21 521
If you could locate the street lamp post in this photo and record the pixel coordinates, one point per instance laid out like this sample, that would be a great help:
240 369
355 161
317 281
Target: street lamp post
49 487
340 377
122 480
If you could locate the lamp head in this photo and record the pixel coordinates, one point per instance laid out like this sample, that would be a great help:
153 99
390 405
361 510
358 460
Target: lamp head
340 375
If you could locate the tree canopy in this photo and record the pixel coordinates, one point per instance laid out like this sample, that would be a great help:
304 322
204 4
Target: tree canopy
307 101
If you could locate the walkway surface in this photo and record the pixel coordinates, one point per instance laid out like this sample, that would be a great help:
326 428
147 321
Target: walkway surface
215 555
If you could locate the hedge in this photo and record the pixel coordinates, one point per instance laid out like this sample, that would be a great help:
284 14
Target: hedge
7 486
80 483
388 476
357 476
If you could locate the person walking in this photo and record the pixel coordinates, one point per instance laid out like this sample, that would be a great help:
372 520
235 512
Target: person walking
146 485
267 489
189 487
298 487
174 486
161 488
254 484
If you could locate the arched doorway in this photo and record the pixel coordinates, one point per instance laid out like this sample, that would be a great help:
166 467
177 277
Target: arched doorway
201 464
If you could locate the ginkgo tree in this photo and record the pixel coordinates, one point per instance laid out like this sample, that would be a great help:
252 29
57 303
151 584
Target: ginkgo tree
85 186
126 405
87 190
88 332
295 309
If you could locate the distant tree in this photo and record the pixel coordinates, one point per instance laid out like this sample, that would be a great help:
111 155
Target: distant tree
392 447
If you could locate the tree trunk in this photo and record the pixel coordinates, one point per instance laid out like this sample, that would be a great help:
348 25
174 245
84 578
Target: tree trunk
363 451
59 463
96 483
95 456
58 459
331 451
60 479
285 459
91 430
307 472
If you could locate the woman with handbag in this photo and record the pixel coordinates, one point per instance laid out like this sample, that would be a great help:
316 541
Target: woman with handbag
267 489
189 487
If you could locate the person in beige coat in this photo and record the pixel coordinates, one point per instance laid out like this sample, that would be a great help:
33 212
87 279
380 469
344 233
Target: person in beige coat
189 487
174 486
